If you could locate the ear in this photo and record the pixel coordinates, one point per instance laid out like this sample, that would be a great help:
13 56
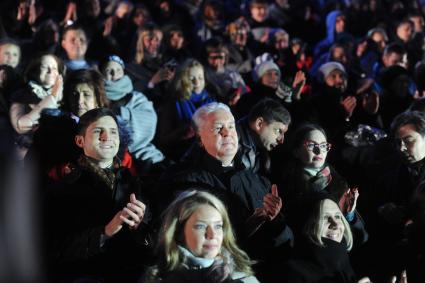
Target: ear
79 141
258 124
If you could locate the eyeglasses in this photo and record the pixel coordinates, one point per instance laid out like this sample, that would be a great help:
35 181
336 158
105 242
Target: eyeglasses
312 146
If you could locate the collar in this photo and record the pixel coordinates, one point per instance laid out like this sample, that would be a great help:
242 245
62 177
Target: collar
194 261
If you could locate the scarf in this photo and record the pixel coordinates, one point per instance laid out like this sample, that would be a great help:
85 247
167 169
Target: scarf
115 90
38 90
106 175
187 107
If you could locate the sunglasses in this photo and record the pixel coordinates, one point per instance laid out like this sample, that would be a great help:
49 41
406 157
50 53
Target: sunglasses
312 146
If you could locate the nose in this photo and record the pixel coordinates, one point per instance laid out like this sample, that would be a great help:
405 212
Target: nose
104 136
210 233
332 222
224 131
81 99
281 138
402 146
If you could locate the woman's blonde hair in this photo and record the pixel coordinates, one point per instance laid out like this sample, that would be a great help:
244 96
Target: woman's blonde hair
171 234
148 30
182 83
315 225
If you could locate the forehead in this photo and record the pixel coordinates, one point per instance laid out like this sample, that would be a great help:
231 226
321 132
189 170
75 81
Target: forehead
406 130
9 47
113 65
334 73
316 136
104 122
206 212
48 60
74 33
83 86
329 206
220 116
279 125
196 71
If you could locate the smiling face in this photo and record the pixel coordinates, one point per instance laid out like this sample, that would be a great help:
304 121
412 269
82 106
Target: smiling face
331 223
219 137
270 134
113 71
271 79
203 232
197 79
100 141
411 143
312 152
48 71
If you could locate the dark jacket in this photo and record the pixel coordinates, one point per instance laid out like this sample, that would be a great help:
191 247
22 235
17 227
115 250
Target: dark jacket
77 211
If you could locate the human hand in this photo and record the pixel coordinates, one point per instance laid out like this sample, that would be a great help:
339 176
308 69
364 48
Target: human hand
349 103
57 89
107 26
163 74
299 82
135 212
272 203
71 13
348 201
32 13
365 280
403 278
22 11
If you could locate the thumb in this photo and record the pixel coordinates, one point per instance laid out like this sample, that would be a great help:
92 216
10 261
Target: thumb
274 190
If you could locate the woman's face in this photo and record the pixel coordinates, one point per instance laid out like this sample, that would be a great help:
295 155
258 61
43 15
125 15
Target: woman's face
176 40
203 232
332 226
151 42
48 71
113 71
84 99
196 76
312 153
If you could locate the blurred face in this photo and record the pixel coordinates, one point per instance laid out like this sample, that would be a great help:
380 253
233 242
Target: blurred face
380 40
218 136
10 55
240 37
151 42
85 99
100 141
312 153
270 134
216 60
259 12
281 41
196 76
139 18
332 226
48 71
404 32
113 71
336 79
411 144
176 40
122 10
75 44
338 54
418 23
203 232
339 24
391 59
271 79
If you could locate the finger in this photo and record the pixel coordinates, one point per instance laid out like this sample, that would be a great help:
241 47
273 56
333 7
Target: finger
133 215
133 198
140 211
274 190
393 279
131 223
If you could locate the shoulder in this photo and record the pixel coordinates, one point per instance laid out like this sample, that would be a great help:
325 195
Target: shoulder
244 277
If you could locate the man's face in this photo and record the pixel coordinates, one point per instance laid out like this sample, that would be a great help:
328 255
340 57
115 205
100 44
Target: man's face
216 60
259 12
151 43
10 55
391 59
218 136
339 24
336 79
101 140
339 55
75 44
271 79
404 32
411 144
270 134
380 40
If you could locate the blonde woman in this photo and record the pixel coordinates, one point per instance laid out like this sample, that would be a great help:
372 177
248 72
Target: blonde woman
191 91
322 240
197 244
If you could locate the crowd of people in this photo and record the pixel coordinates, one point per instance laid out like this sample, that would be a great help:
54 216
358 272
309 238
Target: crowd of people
212 141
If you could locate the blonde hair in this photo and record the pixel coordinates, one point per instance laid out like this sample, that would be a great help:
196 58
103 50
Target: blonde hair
149 30
315 225
171 234
182 83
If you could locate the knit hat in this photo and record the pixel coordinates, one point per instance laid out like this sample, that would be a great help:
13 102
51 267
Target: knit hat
116 59
327 68
265 66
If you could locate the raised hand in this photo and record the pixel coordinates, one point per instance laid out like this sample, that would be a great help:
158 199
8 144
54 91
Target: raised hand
272 203
349 103
348 201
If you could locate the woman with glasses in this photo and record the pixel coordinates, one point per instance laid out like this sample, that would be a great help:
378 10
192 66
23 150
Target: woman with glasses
309 171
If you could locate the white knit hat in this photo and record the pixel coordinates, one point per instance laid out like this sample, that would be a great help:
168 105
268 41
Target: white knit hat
265 66
327 68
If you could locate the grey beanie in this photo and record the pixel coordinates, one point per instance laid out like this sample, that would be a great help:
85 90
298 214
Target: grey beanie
265 66
327 68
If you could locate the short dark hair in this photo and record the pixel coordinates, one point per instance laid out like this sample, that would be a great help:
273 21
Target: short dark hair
271 111
415 118
74 27
32 72
395 47
92 116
